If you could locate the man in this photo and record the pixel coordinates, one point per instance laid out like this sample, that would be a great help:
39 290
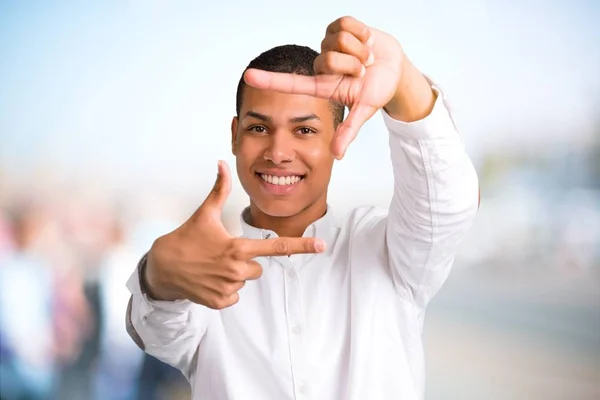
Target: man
303 306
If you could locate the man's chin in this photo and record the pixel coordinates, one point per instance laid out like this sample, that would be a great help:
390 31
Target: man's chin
280 208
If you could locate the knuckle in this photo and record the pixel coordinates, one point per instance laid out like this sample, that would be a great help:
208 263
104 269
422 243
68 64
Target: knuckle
329 59
346 21
317 65
343 40
212 302
365 52
308 246
236 250
358 65
221 302
220 287
237 273
229 300
232 289
237 254
324 44
227 289
281 247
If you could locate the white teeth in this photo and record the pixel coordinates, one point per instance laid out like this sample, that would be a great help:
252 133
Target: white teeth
280 180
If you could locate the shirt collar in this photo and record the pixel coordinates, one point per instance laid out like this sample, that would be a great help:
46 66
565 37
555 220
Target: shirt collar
320 228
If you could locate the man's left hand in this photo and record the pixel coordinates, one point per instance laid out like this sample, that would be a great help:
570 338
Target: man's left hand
359 66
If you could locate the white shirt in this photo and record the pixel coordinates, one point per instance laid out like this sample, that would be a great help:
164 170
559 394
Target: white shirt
344 324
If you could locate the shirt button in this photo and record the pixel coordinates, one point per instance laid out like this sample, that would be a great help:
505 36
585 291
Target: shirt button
303 389
297 330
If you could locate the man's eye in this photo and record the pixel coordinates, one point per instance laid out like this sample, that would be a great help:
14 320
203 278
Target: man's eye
305 131
257 129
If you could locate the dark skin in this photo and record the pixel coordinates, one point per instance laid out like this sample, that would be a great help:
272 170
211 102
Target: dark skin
290 134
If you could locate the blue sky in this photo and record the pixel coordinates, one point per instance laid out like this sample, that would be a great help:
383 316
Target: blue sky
136 85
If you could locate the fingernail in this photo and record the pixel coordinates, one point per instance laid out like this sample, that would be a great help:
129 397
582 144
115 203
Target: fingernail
363 71
370 59
320 245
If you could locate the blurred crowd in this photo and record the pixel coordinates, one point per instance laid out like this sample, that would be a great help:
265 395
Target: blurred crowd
63 267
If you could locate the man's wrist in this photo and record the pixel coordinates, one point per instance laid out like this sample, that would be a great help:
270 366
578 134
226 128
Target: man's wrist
142 266
150 291
414 98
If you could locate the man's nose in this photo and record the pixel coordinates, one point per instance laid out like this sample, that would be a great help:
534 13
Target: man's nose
280 149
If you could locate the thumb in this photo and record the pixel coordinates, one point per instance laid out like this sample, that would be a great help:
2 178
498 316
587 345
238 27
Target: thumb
347 131
220 192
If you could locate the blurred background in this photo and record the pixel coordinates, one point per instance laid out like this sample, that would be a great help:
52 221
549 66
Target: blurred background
113 115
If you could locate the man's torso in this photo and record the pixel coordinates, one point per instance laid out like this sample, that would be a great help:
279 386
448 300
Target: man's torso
327 326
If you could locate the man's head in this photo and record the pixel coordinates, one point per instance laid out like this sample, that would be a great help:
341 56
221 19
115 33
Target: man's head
282 141
291 59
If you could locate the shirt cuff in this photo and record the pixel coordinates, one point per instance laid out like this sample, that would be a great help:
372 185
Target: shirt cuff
438 124
148 305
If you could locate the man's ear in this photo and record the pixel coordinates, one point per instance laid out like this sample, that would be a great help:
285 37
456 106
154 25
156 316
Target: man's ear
234 128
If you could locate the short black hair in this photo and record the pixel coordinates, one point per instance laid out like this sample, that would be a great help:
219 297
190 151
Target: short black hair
291 59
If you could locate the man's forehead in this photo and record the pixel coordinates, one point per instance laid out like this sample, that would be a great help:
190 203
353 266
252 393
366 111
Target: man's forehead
283 104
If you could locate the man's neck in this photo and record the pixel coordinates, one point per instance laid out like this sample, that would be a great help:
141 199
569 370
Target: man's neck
292 226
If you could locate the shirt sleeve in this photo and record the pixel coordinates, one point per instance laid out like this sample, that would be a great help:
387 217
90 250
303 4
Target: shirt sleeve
434 202
171 331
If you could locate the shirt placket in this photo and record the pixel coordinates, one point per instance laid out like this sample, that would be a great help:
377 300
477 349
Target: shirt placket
296 330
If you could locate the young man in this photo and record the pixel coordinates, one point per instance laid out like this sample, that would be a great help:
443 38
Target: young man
303 306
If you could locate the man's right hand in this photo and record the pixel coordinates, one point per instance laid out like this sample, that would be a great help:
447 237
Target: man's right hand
200 261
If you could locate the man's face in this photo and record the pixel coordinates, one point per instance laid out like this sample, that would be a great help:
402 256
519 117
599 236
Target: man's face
282 148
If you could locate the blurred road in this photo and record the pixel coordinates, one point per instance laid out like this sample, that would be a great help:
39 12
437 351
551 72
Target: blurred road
491 339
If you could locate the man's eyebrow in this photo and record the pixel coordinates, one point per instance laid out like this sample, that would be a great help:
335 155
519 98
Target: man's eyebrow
253 114
304 118
295 120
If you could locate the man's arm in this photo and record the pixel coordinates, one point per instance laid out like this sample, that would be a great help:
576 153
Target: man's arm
435 187
168 330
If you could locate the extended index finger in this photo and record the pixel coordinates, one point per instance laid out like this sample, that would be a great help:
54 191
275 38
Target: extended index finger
319 86
284 246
